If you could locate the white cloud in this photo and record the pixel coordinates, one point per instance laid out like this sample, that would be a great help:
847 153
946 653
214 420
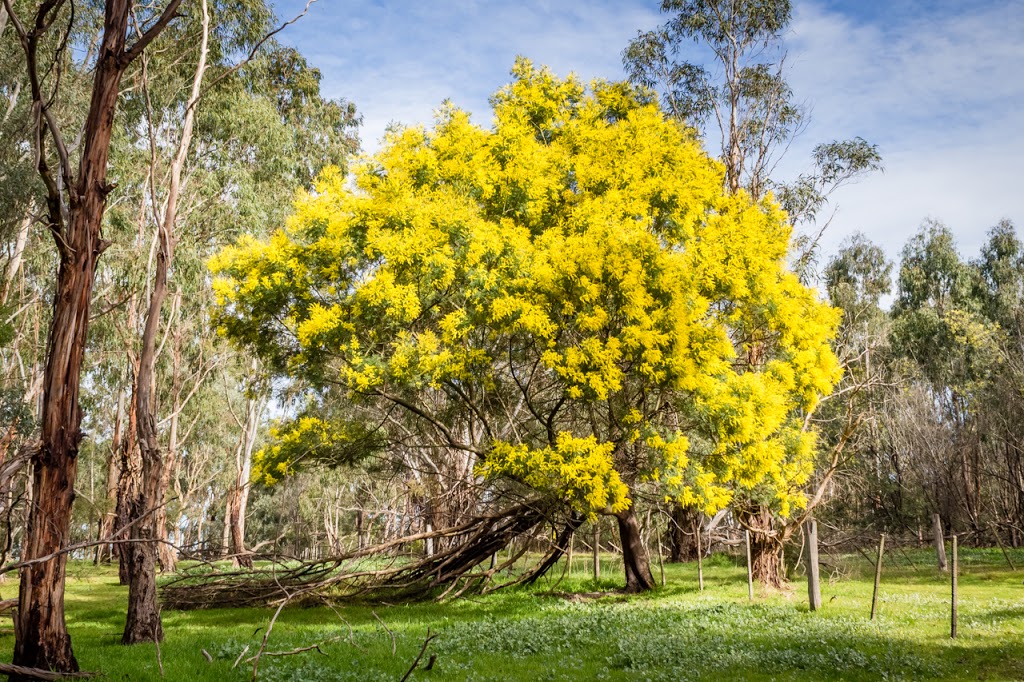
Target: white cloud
940 92
939 86
399 60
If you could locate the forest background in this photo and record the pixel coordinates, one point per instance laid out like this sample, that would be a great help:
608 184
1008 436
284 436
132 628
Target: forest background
215 126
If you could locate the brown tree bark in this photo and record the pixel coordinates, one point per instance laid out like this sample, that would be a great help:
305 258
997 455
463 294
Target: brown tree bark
129 482
682 538
75 206
635 561
143 623
106 523
238 496
765 547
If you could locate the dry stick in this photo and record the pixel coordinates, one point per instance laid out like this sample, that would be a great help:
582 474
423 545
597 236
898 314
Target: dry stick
878 575
813 575
952 615
263 644
999 541
750 568
237 660
700 558
572 547
661 560
299 650
418 656
40 674
394 645
159 656
940 541
597 550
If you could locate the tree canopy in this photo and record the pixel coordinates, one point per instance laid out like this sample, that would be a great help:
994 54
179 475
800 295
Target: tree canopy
574 283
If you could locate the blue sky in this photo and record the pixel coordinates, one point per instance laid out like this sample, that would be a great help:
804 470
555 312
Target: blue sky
938 85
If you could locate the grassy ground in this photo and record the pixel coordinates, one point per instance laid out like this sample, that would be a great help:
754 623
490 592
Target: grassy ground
677 633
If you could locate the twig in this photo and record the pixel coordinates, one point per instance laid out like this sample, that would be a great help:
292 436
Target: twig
419 656
159 655
394 645
263 645
239 659
299 650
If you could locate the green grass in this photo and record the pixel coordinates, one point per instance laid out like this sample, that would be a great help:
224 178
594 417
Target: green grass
676 633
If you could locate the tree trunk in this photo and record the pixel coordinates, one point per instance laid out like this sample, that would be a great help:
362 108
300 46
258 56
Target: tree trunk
143 623
238 496
41 637
765 547
682 540
129 484
634 555
107 521
167 554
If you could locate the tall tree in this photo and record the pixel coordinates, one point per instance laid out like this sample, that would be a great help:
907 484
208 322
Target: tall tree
563 279
736 93
75 201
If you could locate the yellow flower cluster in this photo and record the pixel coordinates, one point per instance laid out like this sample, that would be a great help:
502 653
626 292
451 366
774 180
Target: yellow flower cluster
584 237
580 471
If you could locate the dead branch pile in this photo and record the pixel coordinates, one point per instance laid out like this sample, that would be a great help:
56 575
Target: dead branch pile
385 570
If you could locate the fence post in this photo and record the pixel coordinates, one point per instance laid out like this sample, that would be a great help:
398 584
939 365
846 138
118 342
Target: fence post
940 541
661 557
813 575
878 575
750 568
700 557
952 615
597 549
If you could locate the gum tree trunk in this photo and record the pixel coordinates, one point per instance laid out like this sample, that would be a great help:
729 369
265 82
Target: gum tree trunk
765 547
143 623
682 538
75 202
635 561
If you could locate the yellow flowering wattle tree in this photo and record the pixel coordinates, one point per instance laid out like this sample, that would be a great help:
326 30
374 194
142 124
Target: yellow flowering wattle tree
575 281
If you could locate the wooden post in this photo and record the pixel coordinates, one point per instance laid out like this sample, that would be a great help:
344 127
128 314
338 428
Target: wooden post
878 575
952 613
700 558
813 575
572 547
750 568
940 542
661 558
597 550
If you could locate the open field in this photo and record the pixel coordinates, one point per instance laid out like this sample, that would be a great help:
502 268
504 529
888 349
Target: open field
545 633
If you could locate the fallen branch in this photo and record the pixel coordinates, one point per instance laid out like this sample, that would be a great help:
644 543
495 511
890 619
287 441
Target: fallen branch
10 669
419 656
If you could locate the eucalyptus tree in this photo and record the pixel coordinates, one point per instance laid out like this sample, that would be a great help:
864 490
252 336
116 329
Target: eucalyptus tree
223 141
735 92
76 191
952 352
